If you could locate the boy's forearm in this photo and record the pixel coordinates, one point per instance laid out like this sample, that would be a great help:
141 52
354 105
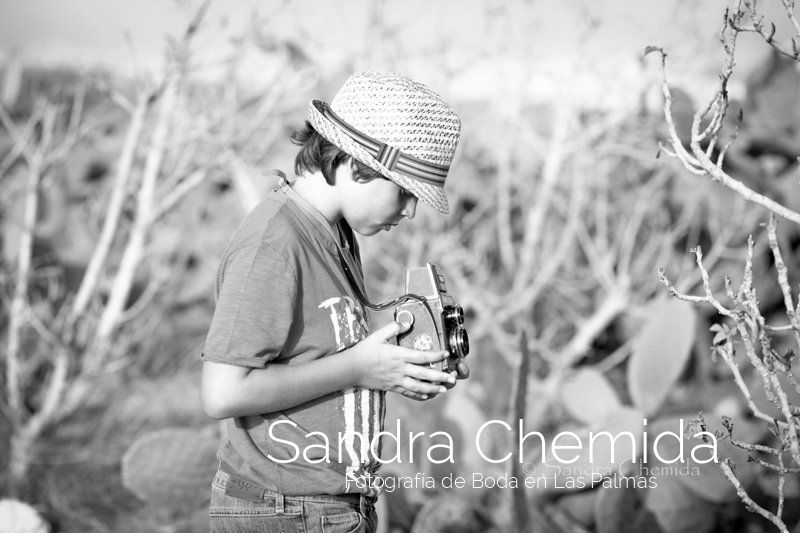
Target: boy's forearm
231 391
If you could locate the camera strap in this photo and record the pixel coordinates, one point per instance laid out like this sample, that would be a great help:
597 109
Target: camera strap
354 274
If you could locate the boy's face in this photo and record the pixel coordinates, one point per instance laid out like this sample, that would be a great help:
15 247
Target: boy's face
374 205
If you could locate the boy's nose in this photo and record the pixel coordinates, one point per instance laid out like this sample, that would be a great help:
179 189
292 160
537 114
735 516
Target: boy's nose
410 209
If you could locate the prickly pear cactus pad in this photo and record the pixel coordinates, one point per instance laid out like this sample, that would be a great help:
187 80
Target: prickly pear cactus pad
171 467
19 517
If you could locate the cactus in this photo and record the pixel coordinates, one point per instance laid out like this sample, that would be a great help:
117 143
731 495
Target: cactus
19 517
171 467
451 512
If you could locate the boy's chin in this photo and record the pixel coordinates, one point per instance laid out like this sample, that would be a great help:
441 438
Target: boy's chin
368 232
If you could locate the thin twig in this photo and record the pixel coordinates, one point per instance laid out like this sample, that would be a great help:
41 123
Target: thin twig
19 300
698 162
783 276
97 261
138 235
519 398
505 239
534 224
751 505
179 191
521 300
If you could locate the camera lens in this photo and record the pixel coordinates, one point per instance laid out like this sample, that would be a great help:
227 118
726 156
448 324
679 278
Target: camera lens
456 314
459 341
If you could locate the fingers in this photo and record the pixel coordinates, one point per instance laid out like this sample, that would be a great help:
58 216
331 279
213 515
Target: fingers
462 372
416 396
451 384
421 358
417 389
387 332
422 387
420 391
391 330
422 373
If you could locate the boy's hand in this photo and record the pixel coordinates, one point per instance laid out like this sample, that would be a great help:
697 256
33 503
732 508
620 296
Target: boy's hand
462 373
389 367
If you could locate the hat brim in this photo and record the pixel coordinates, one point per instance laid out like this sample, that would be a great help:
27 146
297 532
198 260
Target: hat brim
432 195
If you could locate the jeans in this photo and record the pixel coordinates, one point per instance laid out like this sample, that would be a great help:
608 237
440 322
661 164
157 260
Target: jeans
240 506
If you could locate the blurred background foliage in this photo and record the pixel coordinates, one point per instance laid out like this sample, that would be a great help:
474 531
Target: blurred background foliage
562 212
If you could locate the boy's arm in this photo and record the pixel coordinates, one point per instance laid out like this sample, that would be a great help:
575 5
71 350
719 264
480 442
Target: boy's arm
231 391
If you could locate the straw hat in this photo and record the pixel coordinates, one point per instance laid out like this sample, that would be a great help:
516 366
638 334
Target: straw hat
395 126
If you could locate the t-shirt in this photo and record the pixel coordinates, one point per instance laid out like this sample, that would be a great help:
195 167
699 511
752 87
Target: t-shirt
283 297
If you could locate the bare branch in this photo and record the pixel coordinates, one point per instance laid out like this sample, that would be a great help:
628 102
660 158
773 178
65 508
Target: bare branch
642 204
767 31
769 466
788 5
19 300
534 224
73 127
608 309
745 192
727 356
22 137
781 484
13 129
522 300
783 277
505 239
752 506
519 397
179 191
53 394
123 174
708 298
699 161
138 235
688 161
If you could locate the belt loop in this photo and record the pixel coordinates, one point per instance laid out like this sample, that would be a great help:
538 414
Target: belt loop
279 503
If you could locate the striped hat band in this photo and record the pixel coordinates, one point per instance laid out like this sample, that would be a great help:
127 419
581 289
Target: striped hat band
389 156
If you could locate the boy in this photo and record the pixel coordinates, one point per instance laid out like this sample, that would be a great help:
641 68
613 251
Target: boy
289 360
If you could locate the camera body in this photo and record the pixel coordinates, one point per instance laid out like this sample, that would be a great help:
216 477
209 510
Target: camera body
436 320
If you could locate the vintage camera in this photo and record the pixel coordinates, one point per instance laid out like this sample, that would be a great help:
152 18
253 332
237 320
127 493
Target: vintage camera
437 322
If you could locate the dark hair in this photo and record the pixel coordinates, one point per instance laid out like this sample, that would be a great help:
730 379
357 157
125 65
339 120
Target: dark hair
318 153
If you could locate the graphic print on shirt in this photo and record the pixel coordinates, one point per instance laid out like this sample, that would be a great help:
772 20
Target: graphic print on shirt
362 408
349 321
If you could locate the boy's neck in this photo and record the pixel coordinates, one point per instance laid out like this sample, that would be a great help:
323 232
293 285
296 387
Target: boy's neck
322 196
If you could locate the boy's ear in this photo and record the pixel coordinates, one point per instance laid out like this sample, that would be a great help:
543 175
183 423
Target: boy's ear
351 162
344 171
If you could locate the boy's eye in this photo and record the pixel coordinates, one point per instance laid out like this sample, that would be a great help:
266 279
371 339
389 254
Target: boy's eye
405 194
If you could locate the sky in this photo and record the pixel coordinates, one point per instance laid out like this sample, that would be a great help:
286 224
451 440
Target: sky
539 47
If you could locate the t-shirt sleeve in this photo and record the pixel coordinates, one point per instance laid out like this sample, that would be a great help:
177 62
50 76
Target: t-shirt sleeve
255 307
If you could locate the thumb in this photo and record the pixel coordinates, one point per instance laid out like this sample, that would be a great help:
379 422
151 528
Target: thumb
403 326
